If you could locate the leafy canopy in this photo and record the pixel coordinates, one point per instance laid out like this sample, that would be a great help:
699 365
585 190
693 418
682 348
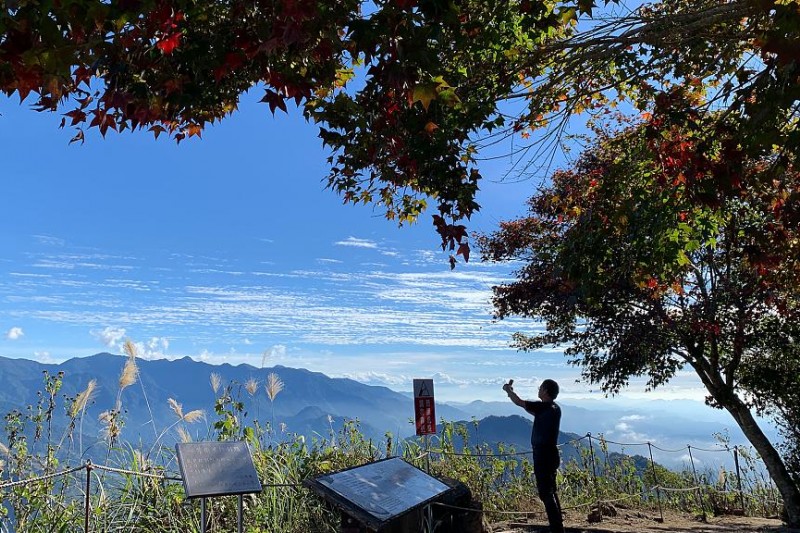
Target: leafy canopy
404 90
398 86
651 254
665 247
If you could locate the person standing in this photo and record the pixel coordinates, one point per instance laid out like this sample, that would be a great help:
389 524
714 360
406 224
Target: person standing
544 440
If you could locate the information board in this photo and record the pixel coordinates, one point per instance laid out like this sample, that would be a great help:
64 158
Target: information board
424 407
378 492
217 469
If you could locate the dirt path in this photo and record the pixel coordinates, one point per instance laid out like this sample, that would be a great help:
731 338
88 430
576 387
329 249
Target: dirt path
637 522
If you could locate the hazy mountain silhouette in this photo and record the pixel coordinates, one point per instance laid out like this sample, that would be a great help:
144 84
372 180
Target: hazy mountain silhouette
310 404
304 405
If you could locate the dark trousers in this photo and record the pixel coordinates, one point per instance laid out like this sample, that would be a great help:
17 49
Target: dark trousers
545 466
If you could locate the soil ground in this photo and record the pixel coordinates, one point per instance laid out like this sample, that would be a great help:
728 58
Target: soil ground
629 521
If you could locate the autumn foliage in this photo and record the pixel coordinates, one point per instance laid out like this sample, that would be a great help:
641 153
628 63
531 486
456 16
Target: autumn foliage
405 91
664 248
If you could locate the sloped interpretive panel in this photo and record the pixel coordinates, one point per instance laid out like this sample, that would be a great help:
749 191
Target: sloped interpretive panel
378 492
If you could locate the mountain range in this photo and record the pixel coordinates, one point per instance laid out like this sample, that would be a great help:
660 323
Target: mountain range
309 403
315 405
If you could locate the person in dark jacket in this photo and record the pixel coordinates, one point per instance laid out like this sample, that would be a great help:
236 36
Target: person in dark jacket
544 440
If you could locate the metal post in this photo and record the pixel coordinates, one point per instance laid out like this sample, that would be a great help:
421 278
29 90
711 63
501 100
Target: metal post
738 476
699 490
655 478
239 512
594 479
86 499
427 453
203 515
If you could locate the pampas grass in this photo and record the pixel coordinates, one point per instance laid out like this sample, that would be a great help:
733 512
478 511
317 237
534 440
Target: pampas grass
79 405
251 386
216 381
274 386
130 372
111 425
188 418
82 399
183 434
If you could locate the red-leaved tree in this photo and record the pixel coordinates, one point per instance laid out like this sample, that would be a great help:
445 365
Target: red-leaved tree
662 248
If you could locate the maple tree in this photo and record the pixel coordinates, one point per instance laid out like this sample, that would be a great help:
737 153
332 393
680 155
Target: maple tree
399 135
666 247
405 91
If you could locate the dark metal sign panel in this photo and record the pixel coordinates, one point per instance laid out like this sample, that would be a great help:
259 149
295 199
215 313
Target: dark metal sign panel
217 469
424 407
378 492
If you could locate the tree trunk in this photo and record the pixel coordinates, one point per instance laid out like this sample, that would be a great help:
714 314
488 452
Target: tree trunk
772 459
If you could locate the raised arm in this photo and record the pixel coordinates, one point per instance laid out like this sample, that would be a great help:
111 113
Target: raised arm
509 388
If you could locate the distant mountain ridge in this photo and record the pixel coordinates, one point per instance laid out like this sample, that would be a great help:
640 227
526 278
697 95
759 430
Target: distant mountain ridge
310 404
303 406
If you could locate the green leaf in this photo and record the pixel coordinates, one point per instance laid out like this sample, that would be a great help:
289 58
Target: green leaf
424 93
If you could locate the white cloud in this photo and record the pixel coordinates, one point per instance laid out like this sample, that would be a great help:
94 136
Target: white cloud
44 357
247 342
357 243
14 333
625 432
155 348
379 378
328 261
632 418
109 336
275 352
441 377
49 240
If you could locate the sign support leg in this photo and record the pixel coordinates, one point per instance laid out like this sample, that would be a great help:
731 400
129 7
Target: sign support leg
203 515
239 514
427 454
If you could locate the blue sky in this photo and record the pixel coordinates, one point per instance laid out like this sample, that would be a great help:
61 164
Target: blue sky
229 248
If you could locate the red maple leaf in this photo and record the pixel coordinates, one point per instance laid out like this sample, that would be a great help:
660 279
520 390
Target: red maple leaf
463 249
274 100
194 129
233 60
82 74
169 43
77 116
157 130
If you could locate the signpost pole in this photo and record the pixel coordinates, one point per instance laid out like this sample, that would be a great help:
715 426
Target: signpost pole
427 453
203 515
239 515
217 469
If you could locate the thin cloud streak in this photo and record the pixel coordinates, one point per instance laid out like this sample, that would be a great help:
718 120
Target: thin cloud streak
432 308
355 242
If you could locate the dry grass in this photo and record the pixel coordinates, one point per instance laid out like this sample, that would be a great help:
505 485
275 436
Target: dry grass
274 386
216 381
83 399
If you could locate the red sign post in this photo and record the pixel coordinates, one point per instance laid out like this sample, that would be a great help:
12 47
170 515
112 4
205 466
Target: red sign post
424 409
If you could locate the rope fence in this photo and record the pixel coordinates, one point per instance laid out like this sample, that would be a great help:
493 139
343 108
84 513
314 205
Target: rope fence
597 502
657 489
